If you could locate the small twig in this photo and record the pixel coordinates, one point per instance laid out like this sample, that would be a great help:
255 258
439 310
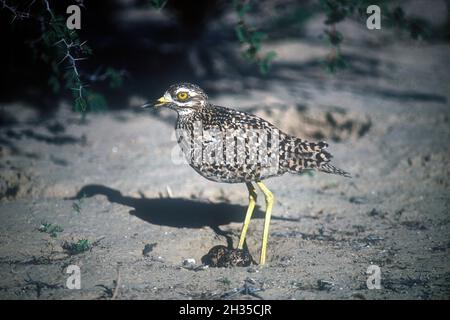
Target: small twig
94 243
47 7
246 289
40 285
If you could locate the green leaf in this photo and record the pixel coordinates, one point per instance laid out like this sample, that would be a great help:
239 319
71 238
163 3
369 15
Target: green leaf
76 247
270 56
244 9
264 64
158 4
71 79
50 229
115 78
250 54
256 38
80 105
240 33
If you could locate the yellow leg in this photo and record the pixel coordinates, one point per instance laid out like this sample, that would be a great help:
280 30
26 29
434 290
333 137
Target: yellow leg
269 204
251 205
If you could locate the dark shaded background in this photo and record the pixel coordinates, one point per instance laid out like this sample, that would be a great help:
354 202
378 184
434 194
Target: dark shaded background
152 46
181 42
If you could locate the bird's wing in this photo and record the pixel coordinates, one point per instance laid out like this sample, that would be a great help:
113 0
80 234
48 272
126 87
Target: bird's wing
235 119
295 153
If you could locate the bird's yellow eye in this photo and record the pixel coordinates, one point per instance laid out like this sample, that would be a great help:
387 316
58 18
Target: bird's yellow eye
182 95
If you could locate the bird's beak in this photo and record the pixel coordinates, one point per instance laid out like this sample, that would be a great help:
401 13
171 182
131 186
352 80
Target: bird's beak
161 101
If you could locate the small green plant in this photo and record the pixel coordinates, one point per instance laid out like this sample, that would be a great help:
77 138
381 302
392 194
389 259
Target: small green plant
225 281
50 229
77 205
77 247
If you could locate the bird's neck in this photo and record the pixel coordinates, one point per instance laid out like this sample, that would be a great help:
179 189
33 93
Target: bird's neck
193 113
188 116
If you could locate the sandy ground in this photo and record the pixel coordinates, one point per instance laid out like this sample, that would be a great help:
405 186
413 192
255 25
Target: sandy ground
111 180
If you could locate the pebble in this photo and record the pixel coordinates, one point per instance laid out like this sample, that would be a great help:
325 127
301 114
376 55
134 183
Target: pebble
252 270
189 262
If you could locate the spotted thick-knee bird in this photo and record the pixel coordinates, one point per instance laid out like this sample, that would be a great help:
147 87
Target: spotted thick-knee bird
231 146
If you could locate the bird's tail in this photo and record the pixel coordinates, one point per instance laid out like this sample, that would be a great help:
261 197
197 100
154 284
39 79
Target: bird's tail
329 168
311 155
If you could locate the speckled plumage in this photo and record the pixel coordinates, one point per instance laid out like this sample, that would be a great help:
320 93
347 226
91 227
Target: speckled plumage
231 146
219 126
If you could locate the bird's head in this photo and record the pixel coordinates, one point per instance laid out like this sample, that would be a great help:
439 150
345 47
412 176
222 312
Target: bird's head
183 97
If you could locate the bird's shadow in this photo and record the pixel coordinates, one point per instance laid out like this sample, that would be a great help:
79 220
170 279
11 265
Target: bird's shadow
176 212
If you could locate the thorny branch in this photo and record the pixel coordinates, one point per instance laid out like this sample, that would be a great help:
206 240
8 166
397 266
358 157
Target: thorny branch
60 45
70 47
47 7
17 14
